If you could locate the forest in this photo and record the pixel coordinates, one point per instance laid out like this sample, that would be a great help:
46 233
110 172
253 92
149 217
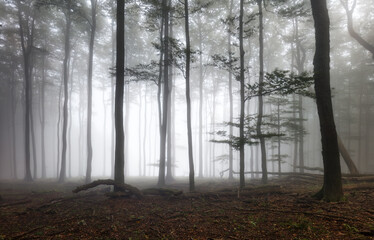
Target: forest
186 119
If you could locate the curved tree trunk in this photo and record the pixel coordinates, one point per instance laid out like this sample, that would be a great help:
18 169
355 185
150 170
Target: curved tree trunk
332 185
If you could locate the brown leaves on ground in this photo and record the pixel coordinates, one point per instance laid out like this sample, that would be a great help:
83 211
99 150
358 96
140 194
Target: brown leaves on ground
282 210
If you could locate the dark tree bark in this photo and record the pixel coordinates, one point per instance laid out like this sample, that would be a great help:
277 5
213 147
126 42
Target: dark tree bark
332 185
188 98
260 97
242 97
92 23
119 177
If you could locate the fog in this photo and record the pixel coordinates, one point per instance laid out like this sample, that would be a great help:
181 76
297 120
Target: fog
288 45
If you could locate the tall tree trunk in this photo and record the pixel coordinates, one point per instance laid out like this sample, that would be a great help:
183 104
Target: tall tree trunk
120 67
26 44
161 175
145 130
201 99
44 167
188 99
169 175
332 185
231 117
113 84
260 98
89 89
66 91
58 129
13 122
70 118
139 130
32 128
242 97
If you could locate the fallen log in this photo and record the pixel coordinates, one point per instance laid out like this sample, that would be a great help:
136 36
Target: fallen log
121 187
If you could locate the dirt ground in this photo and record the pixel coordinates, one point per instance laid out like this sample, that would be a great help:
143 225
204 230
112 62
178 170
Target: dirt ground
283 209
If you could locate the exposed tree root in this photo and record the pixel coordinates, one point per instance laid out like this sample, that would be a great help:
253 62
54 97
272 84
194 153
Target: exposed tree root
121 187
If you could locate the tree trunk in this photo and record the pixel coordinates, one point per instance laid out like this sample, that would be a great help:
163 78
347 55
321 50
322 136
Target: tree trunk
332 186
231 118
89 90
66 91
44 167
201 99
260 98
242 97
26 44
188 99
33 141
161 175
113 84
119 177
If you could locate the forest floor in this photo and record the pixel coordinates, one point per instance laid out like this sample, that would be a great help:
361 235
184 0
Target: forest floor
282 209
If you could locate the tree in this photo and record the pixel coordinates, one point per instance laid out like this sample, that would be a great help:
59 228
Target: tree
165 47
332 185
92 23
351 30
260 97
26 20
119 163
242 96
188 98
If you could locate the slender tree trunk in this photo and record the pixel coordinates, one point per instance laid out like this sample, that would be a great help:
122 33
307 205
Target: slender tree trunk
201 99
104 133
332 186
58 129
13 122
231 117
242 97
44 167
26 44
188 99
120 67
145 130
260 98
161 176
139 130
169 175
70 118
113 84
32 128
89 90
66 91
